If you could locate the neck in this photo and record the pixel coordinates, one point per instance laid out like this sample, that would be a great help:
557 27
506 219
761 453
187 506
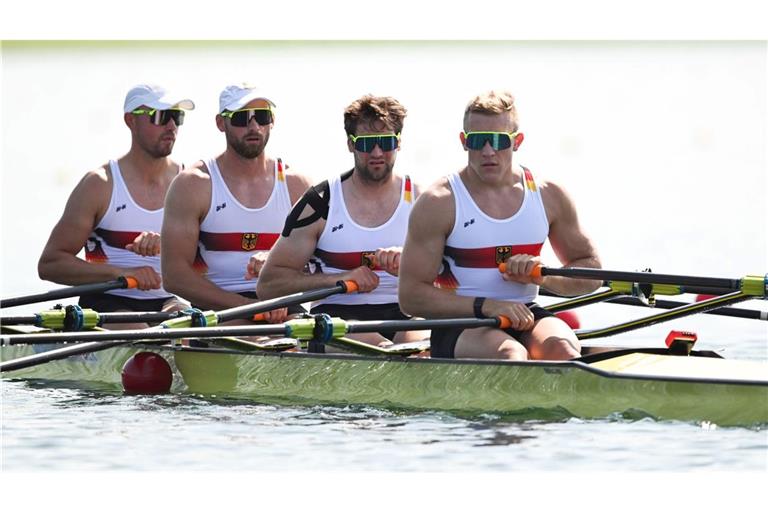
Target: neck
143 165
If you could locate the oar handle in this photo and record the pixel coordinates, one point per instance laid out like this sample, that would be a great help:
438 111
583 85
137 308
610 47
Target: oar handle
71 291
536 272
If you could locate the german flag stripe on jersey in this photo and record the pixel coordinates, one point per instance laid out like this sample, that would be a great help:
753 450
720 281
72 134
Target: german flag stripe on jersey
96 255
489 257
529 180
117 239
280 174
446 280
238 241
348 260
200 266
408 194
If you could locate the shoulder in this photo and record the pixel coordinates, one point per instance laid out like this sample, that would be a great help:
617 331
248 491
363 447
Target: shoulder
97 181
436 199
297 184
557 201
193 184
197 173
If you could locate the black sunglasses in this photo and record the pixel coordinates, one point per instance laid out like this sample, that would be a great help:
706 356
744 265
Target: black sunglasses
161 117
242 118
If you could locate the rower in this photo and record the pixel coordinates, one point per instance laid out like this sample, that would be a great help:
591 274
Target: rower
352 227
224 213
493 211
116 212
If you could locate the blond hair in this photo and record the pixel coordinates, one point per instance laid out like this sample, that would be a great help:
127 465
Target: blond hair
492 102
370 109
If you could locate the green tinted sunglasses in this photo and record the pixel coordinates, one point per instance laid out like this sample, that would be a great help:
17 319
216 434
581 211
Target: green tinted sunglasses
498 140
161 117
366 143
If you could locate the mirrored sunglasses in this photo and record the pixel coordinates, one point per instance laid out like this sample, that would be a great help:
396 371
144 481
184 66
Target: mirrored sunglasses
161 117
242 118
366 143
498 140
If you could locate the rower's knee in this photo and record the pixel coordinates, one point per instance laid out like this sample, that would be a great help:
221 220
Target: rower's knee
556 348
512 351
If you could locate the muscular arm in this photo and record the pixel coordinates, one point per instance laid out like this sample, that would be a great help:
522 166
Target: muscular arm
430 223
86 205
186 204
283 272
570 243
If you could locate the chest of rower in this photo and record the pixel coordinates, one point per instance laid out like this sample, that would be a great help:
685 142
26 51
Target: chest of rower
370 210
251 193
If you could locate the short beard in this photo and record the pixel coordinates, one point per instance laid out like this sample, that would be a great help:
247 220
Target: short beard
247 150
365 174
156 149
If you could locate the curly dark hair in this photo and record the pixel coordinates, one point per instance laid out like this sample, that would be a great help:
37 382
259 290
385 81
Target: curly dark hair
370 109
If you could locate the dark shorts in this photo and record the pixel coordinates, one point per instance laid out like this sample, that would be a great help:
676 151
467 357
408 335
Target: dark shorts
443 341
364 312
108 303
292 310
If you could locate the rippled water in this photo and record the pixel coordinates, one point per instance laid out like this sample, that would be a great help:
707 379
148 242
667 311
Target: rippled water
51 428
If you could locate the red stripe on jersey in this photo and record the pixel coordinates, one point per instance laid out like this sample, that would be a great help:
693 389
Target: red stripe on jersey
200 266
238 241
117 239
489 257
348 260
96 255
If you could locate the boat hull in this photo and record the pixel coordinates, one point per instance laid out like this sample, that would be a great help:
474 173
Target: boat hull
634 385
472 387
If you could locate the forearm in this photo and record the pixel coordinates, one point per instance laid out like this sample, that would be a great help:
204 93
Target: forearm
201 292
277 281
427 301
570 287
70 270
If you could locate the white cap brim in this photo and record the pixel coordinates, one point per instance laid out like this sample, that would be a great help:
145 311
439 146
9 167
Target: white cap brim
163 103
243 101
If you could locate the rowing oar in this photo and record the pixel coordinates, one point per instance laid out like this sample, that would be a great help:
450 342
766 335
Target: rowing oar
321 328
70 291
96 340
615 297
755 286
64 318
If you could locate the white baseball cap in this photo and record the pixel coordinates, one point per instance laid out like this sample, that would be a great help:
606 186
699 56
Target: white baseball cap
154 96
235 97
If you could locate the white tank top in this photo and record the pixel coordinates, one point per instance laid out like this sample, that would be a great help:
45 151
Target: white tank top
230 232
345 245
478 243
121 224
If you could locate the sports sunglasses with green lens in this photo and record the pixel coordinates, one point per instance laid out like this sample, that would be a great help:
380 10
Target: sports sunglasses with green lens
366 143
498 140
161 117
242 118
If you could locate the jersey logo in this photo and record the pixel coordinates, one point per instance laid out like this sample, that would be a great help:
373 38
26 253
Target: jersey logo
503 252
248 241
121 207
368 259
336 228
469 222
221 206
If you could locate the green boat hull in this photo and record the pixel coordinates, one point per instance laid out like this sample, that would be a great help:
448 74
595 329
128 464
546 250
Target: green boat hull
466 387
470 387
